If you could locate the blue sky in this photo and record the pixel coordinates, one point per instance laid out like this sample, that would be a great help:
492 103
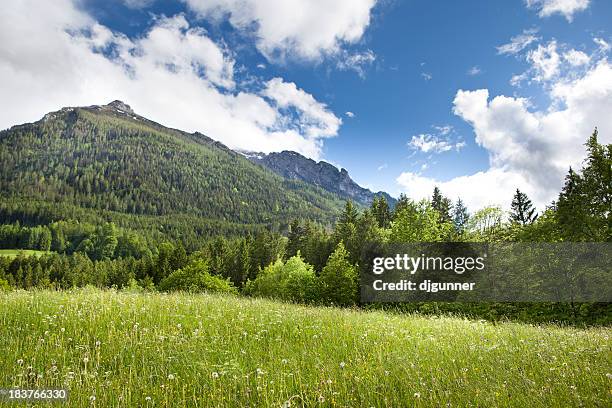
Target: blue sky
372 86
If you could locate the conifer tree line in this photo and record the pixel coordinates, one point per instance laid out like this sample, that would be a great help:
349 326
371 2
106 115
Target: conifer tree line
313 262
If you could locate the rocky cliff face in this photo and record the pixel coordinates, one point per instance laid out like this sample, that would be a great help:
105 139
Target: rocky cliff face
294 166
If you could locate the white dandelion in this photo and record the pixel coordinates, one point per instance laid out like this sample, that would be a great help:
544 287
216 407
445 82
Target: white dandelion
171 376
342 364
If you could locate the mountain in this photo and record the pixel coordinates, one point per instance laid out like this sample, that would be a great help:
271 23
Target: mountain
106 163
294 166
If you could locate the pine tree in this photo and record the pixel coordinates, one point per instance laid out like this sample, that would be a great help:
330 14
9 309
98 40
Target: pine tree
381 211
522 210
442 205
346 228
461 216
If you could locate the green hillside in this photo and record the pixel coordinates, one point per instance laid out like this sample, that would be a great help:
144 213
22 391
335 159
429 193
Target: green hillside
105 163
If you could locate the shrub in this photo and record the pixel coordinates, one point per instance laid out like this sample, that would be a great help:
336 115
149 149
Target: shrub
339 279
4 285
294 280
195 277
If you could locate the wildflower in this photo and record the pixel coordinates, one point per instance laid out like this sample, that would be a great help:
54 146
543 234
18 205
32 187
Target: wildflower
20 362
609 376
62 330
259 371
147 398
342 364
417 395
284 361
321 399
171 376
92 398
85 360
215 374
98 343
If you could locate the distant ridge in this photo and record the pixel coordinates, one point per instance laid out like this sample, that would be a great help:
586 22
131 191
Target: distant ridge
293 166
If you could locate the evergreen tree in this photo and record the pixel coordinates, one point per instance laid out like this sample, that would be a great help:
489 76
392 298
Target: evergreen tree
522 210
403 202
381 211
442 205
346 228
461 216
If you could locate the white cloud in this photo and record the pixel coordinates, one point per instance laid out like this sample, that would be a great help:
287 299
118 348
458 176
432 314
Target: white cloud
307 29
576 58
476 191
382 166
349 114
531 150
566 7
603 44
426 76
137 4
518 43
475 70
315 120
54 55
357 62
545 61
444 130
427 143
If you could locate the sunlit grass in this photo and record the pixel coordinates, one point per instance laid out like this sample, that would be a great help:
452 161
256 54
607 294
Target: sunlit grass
13 253
125 349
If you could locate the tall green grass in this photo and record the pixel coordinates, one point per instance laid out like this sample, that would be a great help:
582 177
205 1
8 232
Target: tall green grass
127 349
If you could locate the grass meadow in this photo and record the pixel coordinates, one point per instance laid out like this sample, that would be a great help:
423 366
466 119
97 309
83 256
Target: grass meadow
13 253
113 349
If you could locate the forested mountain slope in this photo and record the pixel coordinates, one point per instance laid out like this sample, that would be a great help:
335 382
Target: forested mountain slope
108 162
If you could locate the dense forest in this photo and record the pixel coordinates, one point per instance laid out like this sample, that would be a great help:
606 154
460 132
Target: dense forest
104 163
114 203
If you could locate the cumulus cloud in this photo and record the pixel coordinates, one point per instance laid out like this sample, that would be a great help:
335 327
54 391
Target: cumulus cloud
304 29
518 43
476 190
315 120
55 55
528 149
565 7
349 114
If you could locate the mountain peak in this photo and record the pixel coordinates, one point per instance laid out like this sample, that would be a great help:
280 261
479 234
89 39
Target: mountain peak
120 106
292 165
